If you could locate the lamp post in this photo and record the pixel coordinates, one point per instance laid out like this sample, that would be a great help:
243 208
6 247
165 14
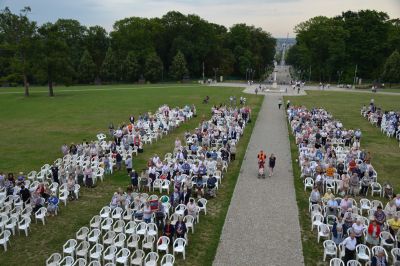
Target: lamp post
215 73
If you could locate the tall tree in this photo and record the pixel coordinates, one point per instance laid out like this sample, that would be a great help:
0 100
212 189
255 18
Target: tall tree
178 67
131 67
97 43
53 61
87 68
153 68
17 43
391 72
109 68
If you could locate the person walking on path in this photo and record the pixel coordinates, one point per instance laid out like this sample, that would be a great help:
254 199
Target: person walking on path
279 103
272 160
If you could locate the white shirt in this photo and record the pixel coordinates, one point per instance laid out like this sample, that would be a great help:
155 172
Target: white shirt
357 229
349 243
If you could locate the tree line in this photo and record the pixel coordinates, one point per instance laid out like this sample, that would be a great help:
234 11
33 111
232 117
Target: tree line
361 44
173 47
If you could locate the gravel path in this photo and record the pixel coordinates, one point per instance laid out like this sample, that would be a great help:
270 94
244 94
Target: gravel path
262 225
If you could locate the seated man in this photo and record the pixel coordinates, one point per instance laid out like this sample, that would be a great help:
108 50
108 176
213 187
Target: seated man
211 186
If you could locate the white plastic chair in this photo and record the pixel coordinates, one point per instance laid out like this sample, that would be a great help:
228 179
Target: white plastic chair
24 225
95 252
133 242
189 222
168 260
119 240
157 184
69 247
130 228
137 257
385 236
105 212
119 226
353 263
362 252
376 188
11 224
151 259
165 185
376 249
82 249
308 182
109 254
4 238
148 242
106 224
67 261
63 197
365 204
93 236
152 230
316 220
54 259
336 262
117 213
41 215
141 229
163 244
95 222
330 249
179 246
82 233
323 231
80 262
395 254
203 201
122 256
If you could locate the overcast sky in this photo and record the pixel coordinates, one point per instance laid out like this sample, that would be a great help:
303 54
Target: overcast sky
275 16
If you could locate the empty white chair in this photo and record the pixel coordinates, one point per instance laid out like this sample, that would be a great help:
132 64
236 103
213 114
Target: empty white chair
108 238
122 256
168 260
365 204
363 253
118 226
4 238
82 233
387 239
376 188
94 263
11 224
41 214
54 259
82 249
67 261
330 249
152 230
77 189
336 262
323 231
133 241
179 246
69 247
137 257
202 204
130 228
189 222
109 254
395 254
353 263
24 225
308 182
96 252
180 209
163 244
95 222
105 212
148 242
316 220
141 229
93 236
157 184
80 262
106 224
117 213
165 185
119 240
63 197
151 259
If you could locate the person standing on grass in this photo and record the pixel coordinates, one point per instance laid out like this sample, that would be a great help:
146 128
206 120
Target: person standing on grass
271 163
128 164
350 247
279 104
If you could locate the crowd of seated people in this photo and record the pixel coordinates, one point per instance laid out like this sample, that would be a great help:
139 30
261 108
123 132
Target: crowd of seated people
387 121
192 171
338 171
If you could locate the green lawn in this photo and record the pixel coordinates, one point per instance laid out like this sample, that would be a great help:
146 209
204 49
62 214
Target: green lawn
345 106
34 128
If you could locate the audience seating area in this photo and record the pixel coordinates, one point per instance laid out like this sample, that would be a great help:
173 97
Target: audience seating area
387 121
139 228
344 189
37 195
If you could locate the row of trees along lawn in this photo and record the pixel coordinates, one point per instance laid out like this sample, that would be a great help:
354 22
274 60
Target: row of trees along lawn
364 44
171 47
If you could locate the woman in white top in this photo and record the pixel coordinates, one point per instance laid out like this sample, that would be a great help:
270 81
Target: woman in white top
358 229
349 244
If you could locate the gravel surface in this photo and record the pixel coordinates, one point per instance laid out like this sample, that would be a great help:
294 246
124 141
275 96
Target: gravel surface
262 225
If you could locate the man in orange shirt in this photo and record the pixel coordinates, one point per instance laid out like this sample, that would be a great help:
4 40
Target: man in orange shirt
330 171
261 159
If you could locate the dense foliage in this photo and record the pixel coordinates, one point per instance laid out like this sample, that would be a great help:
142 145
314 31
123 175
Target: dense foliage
354 43
174 46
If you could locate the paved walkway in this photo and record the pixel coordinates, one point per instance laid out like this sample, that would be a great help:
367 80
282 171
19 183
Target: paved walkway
262 225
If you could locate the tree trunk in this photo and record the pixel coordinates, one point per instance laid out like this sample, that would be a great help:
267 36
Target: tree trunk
26 85
51 92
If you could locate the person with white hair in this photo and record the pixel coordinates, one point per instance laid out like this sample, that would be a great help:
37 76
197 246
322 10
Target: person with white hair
349 245
358 229
379 259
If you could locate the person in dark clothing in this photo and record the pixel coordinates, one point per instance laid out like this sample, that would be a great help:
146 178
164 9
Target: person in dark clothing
180 228
271 163
134 179
25 194
118 160
54 172
169 230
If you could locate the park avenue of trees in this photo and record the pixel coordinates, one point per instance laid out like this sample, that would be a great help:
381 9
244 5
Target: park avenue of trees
173 47
364 44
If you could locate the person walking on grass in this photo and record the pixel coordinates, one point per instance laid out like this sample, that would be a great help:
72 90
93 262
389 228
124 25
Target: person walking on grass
271 163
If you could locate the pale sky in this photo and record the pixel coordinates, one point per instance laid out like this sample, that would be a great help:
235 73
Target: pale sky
275 16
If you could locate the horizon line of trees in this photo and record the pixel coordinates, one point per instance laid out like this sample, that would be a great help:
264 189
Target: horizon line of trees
175 46
354 45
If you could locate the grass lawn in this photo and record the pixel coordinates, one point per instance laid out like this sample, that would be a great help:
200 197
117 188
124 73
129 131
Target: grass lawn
34 128
345 106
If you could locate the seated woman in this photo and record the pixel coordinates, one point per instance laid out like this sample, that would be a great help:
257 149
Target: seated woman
180 228
373 233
